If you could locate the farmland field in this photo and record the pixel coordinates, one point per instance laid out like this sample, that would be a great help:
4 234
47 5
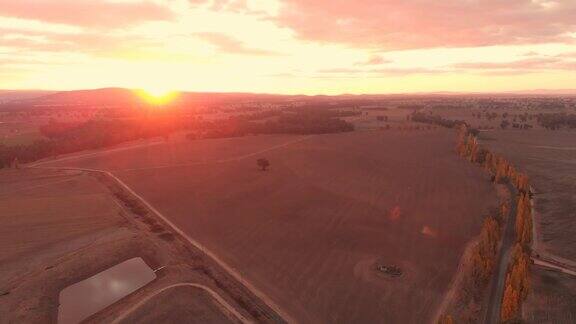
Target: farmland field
553 300
311 230
37 220
19 133
549 158
61 227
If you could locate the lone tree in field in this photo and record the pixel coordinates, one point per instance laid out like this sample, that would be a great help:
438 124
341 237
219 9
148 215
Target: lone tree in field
263 164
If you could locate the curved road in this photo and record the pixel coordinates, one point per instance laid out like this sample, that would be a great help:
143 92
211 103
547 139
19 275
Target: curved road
212 293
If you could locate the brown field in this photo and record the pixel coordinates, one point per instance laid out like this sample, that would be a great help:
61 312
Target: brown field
553 300
310 231
36 217
61 227
549 158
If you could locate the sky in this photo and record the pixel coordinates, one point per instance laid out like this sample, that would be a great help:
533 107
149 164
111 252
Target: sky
289 46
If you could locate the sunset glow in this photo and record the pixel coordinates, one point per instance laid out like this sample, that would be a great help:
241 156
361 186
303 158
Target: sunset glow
288 46
157 96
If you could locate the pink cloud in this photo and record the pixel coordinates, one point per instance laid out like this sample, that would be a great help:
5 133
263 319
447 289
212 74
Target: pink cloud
409 24
86 13
236 6
568 54
531 53
381 71
227 44
374 60
537 63
92 43
520 66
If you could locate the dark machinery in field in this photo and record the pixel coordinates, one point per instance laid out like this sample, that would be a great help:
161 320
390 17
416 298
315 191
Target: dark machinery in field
392 271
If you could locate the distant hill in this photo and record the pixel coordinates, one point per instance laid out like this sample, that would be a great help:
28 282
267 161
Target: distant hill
549 92
11 95
122 97
127 98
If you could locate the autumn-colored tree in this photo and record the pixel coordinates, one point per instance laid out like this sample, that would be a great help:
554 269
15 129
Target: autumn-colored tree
446 319
524 221
519 272
484 255
517 284
510 303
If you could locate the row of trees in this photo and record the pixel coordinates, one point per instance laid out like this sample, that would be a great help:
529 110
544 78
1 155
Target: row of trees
502 170
422 117
484 254
517 282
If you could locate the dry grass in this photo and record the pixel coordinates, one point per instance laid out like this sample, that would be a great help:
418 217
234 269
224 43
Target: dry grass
46 214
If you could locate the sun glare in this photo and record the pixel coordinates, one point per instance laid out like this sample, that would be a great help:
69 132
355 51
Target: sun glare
158 96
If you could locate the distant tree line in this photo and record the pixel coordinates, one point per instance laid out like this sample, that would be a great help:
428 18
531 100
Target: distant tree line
65 138
422 117
260 115
299 123
557 120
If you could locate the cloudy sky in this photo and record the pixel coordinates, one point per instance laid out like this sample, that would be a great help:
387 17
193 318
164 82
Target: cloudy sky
289 46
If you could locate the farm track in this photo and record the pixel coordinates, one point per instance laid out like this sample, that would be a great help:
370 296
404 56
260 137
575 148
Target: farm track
211 292
499 276
542 258
554 265
97 153
237 158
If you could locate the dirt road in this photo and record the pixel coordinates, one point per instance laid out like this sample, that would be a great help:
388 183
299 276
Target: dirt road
499 276
212 293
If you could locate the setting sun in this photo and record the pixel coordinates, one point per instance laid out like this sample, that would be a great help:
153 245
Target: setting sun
158 96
